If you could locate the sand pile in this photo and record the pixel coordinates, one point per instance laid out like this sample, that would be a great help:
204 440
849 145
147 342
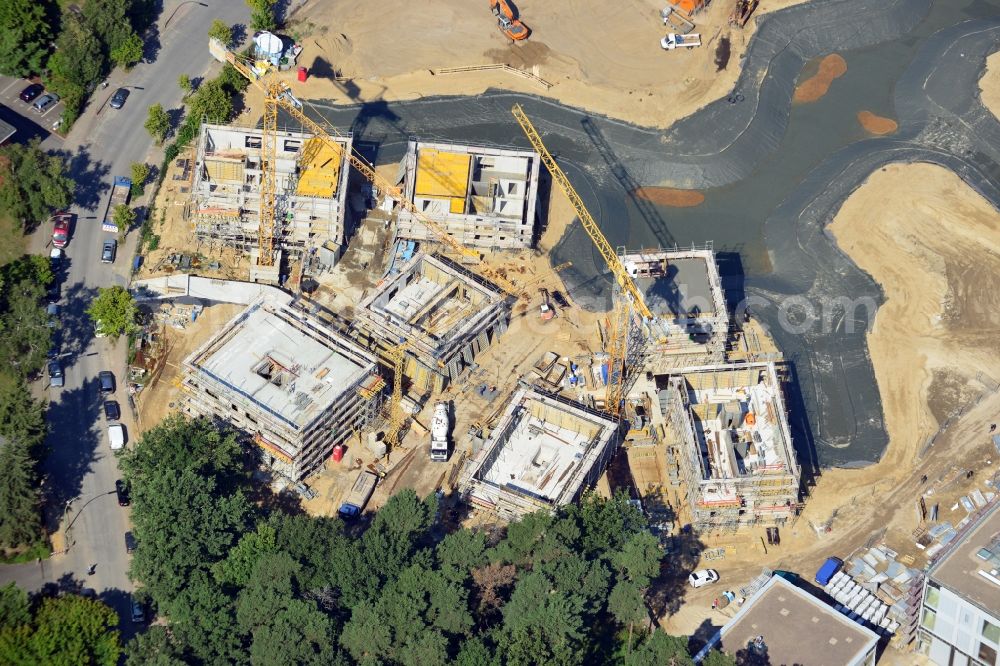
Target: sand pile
813 88
989 85
599 55
670 196
877 125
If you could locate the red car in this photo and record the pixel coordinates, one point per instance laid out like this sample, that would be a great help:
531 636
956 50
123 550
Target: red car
60 229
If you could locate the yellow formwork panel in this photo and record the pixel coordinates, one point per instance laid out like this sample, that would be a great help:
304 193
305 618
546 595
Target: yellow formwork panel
319 166
457 205
442 174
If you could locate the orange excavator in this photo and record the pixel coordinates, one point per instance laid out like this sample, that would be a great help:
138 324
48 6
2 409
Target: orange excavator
507 20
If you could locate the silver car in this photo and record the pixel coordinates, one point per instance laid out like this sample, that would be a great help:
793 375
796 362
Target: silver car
44 102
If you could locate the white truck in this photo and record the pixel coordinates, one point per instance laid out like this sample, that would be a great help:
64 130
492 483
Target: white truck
675 41
358 498
439 433
119 197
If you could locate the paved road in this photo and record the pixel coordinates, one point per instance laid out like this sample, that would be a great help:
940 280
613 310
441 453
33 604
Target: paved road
81 468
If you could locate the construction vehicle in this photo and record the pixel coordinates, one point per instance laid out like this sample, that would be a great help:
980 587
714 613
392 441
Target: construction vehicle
689 7
742 12
119 197
507 20
675 41
358 498
631 297
676 20
439 432
546 309
278 94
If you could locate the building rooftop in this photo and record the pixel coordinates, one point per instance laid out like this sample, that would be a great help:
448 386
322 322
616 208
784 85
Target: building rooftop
796 627
282 362
6 131
739 420
971 567
543 448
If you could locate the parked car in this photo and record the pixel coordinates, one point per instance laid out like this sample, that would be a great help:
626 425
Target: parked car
129 542
31 92
116 436
121 489
111 410
138 614
54 292
56 377
118 99
60 229
106 381
56 256
108 251
44 102
52 310
703 577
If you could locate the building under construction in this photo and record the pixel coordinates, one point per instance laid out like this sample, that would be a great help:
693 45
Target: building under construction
292 384
310 192
446 313
482 197
543 452
683 290
728 443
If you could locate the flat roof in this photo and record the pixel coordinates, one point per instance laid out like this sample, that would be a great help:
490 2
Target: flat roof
6 131
286 371
541 454
686 287
797 628
962 568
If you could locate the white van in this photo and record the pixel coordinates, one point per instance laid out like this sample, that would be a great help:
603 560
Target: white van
116 436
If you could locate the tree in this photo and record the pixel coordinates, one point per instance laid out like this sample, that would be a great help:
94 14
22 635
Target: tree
64 630
184 83
154 647
24 37
212 102
13 606
140 174
262 14
109 21
238 567
662 649
33 183
543 625
77 64
129 52
717 658
25 335
115 311
222 32
124 218
157 123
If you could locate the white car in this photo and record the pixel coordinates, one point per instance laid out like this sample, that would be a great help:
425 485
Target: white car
703 577
116 436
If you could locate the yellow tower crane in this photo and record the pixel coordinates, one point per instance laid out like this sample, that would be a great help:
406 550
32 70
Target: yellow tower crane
277 94
617 344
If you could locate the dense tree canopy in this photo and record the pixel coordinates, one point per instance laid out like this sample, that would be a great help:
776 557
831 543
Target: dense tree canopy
243 584
24 37
64 630
114 311
32 183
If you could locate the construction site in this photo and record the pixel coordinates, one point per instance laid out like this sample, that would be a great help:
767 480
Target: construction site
306 193
293 385
445 313
455 296
480 196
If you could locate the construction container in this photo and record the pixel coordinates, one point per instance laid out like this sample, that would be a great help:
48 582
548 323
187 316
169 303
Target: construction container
338 453
303 74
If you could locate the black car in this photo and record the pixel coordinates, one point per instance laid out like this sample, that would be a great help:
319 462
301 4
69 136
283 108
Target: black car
118 99
106 380
54 292
122 491
31 92
56 377
111 410
108 251
560 299
129 542
138 614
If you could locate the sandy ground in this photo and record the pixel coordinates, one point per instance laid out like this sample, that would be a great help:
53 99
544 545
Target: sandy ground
989 84
934 246
818 84
603 56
